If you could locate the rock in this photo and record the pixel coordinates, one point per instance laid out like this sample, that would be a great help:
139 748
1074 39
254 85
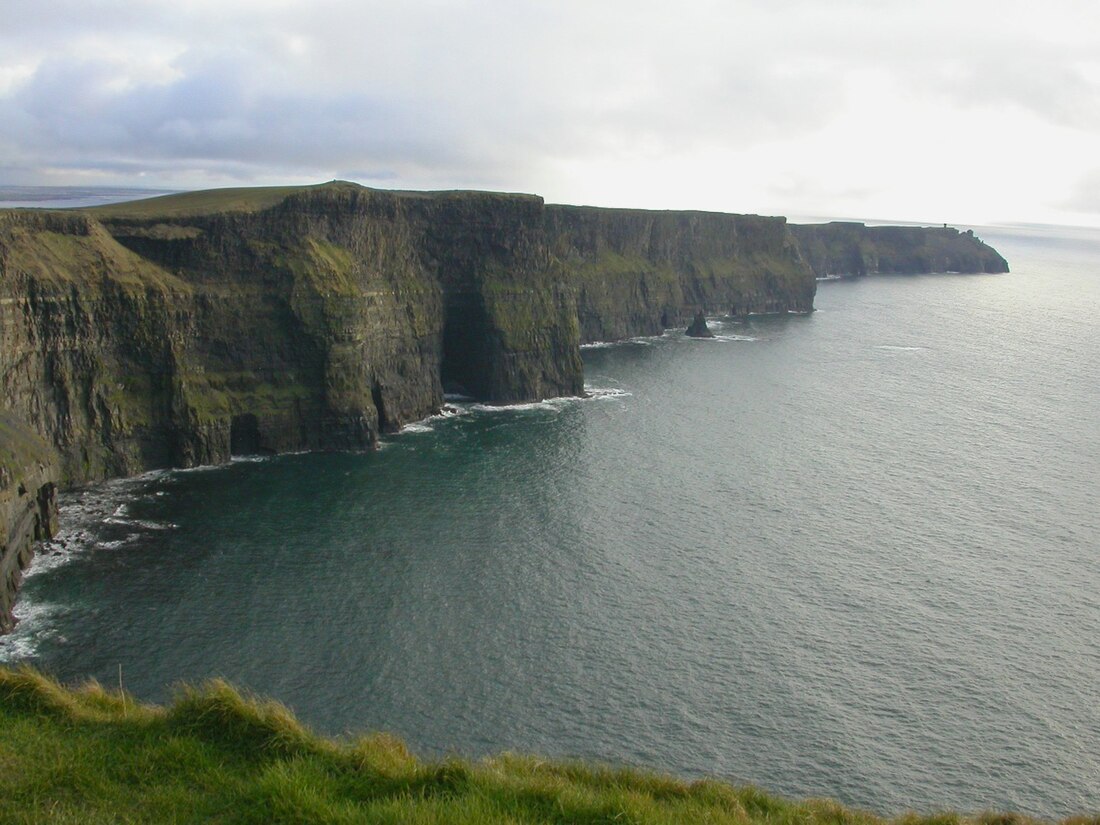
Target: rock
28 507
698 328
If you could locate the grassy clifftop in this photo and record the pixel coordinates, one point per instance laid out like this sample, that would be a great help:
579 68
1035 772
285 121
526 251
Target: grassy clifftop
91 755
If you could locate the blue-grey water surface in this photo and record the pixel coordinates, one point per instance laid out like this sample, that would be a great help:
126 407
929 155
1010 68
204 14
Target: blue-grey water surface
852 554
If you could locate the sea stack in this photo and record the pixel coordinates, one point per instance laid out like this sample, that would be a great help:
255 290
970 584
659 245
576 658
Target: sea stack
698 328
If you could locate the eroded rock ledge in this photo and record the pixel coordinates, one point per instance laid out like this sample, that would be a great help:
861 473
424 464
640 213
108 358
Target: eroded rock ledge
178 331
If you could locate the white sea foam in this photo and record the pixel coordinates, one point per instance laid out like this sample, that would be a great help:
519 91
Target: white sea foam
556 403
547 404
200 468
599 393
114 544
50 555
427 424
891 348
35 624
98 518
725 337
641 340
155 525
142 523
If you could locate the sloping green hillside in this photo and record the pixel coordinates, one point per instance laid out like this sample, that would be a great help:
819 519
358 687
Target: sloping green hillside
201 202
91 755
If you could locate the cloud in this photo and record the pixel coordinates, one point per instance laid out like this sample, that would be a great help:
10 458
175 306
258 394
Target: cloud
523 95
1085 196
462 96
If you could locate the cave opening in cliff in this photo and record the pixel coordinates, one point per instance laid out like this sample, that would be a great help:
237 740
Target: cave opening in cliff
380 407
464 366
244 435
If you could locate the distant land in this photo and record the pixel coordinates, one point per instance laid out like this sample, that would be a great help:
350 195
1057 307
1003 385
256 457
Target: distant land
70 197
181 329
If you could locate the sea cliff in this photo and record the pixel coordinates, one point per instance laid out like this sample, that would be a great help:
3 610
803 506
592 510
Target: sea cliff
178 331
848 249
28 506
638 272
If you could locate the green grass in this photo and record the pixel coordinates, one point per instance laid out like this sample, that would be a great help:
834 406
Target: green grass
258 198
203 202
90 755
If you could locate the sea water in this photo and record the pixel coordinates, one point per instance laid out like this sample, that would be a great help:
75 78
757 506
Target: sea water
851 554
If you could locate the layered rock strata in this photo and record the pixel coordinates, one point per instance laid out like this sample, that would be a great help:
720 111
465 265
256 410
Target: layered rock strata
638 272
28 506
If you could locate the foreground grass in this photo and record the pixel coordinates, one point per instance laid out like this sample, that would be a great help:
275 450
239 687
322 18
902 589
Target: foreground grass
90 755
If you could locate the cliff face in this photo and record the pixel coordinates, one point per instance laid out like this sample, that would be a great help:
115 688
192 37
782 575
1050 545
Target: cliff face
181 330
309 325
510 320
146 339
90 334
638 272
851 249
28 506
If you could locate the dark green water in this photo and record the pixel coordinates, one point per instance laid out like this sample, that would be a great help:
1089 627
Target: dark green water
853 554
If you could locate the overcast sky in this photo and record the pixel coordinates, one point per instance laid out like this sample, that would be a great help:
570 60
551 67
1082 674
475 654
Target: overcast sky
942 110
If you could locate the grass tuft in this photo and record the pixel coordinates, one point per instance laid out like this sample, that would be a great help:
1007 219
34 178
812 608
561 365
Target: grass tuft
25 689
218 713
89 755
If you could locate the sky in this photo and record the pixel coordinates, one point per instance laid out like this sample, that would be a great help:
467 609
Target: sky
965 112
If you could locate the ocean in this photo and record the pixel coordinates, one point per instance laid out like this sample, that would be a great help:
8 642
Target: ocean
852 554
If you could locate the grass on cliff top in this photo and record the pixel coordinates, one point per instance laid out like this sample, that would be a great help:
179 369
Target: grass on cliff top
91 755
257 198
204 202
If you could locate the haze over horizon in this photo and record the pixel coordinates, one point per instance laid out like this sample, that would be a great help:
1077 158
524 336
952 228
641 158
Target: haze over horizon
964 112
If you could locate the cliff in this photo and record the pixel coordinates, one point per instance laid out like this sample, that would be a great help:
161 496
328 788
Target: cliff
181 330
845 249
28 506
639 272
154 335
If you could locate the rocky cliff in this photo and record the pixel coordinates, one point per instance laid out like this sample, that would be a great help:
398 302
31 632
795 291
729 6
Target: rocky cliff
639 272
178 331
846 249
153 335
28 506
